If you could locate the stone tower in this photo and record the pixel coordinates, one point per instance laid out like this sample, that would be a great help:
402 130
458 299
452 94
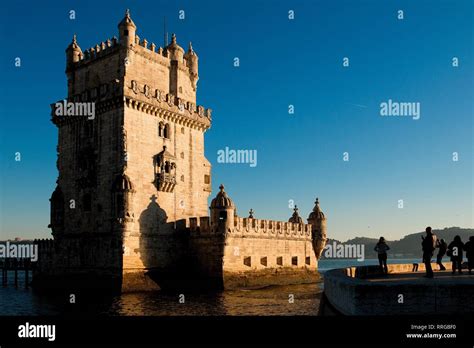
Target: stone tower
318 220
129 172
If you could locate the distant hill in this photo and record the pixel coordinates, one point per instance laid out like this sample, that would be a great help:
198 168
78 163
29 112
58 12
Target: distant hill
410 245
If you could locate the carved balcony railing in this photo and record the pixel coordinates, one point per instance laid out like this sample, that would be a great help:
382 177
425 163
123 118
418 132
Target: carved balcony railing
165 182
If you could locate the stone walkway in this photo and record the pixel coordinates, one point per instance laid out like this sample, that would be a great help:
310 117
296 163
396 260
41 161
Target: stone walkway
419 277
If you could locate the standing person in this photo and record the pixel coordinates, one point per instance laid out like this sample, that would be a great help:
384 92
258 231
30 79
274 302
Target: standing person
443 246
428 245
455 251
469 247
381 248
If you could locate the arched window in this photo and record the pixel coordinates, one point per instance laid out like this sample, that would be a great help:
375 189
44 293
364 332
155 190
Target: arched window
161 127
166 132
167 167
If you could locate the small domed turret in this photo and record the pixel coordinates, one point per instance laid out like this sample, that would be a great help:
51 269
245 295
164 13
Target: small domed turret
175 51
222 211
192 59
222 201
318 221
316 214
122 183
295 218
127 30
73 52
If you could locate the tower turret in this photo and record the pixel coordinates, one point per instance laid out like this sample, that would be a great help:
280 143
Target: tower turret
222 211
127 30
175 51
73 53
192 61
295 218
318 220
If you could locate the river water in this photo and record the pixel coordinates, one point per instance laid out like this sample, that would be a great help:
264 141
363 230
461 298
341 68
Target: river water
300 299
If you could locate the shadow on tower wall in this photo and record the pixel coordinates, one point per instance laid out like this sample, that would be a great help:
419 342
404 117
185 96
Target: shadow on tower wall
163 248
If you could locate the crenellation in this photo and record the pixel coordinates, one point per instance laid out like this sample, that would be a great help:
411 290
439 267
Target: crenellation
259 228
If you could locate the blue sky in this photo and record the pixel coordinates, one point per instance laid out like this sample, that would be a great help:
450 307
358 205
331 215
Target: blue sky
282 62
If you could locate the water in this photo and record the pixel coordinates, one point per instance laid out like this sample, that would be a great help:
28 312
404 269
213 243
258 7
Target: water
273 300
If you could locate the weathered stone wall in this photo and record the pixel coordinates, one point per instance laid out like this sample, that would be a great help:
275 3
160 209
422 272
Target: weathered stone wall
255 252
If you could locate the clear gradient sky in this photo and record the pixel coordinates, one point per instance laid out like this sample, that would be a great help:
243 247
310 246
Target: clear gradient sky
282 62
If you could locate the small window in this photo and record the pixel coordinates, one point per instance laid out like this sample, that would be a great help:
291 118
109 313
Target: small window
223 215
166 131
308 260
182 155
125 32
182 177
280 261
263 261
182 130
161 127
180 89
294 260
207 179
248 261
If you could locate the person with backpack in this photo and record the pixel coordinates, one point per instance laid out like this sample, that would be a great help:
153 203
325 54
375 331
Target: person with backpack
443 247
455 249
428 245
381 248
469 248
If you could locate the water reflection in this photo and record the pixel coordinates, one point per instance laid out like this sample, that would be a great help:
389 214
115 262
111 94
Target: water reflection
273 300
276 300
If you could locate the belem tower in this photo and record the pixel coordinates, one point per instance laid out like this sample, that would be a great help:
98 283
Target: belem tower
130 210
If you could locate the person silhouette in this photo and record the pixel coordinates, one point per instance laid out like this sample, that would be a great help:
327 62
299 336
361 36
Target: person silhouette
455 249
428 245
443 246
469 248
381 248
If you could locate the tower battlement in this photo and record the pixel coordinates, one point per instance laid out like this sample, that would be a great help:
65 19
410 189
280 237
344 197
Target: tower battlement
254 228
175 70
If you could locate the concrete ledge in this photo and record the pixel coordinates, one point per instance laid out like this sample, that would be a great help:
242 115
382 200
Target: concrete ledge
365 291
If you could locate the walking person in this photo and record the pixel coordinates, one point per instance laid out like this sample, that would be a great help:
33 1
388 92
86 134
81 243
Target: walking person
381 248
469 248
455 249
428 245
443 247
